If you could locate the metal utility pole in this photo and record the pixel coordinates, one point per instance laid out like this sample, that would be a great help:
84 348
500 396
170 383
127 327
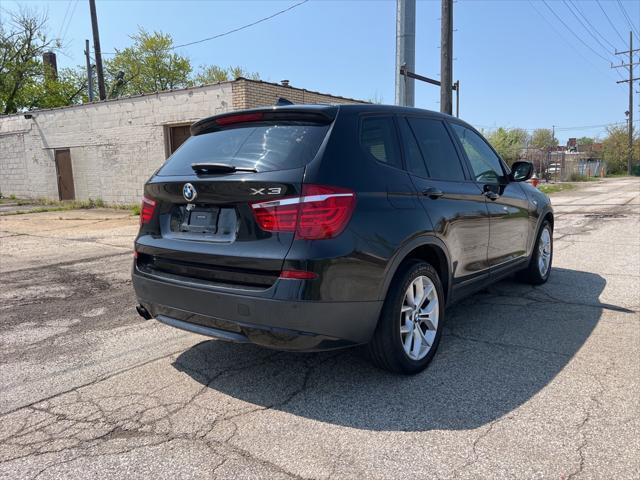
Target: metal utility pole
87 54
96 49
630 65
446 57
405 51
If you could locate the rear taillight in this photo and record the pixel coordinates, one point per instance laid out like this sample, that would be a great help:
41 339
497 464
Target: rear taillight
277 216
321 212
146 210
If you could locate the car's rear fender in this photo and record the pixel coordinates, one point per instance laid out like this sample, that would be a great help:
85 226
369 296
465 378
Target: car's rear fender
424 247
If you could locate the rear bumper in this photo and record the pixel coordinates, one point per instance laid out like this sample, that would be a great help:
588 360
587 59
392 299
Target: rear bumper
271 318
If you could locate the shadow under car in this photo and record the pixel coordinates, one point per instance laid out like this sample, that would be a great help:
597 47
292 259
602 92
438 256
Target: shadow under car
500 347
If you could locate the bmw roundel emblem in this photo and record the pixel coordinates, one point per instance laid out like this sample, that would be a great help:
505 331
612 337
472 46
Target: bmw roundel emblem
189 192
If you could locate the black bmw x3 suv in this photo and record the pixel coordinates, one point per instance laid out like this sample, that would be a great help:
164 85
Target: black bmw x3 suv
319 227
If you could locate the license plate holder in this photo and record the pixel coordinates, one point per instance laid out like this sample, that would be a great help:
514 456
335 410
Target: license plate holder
201 220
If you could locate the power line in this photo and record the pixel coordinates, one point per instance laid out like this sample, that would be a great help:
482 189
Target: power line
626 16
587 127
613 47
594 29
562 129
611 23
574 33
264 19
585 27
241 28
73 11
64 19
567 41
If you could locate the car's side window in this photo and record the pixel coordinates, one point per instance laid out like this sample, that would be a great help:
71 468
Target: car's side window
378 137
437 149
412 155
486 165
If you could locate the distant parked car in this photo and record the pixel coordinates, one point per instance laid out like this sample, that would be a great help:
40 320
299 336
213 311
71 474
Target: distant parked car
320 227
553 168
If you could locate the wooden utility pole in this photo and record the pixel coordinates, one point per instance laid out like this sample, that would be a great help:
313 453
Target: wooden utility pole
87 54
630 159
630 65
96 48
446 57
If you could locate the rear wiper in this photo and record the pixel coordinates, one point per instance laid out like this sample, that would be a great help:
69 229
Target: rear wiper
208 168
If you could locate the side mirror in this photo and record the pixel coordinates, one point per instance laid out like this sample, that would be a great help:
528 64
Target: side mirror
521 171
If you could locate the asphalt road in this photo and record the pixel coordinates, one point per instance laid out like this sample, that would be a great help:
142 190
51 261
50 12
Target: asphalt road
528 383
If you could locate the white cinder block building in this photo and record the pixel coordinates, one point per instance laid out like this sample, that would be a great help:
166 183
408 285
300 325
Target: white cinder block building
107 150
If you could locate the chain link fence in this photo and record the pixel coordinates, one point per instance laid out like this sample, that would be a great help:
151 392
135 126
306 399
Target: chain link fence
564 166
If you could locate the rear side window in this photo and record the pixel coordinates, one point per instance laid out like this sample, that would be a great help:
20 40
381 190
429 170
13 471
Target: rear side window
263 147
437 149
378 137
413 157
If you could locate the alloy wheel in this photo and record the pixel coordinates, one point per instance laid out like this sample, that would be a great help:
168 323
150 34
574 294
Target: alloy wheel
544 251
419 317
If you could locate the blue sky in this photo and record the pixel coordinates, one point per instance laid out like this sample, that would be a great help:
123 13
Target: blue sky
518 65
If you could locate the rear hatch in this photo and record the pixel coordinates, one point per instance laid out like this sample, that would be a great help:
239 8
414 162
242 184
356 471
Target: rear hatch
199 220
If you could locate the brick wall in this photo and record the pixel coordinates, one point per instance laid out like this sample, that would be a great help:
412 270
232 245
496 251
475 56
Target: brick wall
12 168
116 145
255 93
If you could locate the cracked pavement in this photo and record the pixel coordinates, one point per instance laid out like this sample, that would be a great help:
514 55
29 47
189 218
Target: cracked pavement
528 383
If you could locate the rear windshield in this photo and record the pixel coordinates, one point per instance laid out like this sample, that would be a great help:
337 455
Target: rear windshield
264 147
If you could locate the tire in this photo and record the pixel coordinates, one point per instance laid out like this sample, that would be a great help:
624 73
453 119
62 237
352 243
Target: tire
535 274
387 349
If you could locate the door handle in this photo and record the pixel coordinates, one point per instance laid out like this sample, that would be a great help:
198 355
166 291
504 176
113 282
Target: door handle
491 195
433 193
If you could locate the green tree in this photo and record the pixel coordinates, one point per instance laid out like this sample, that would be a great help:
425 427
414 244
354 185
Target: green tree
585 141
210 74
508 142
23 40
149 65
616 149
239 72
68 88
214 74
543 139
585 144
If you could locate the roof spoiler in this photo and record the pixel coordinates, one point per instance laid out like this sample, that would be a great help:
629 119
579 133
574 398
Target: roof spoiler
217 122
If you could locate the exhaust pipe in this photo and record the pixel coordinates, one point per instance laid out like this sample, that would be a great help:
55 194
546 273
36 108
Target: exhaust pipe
143 312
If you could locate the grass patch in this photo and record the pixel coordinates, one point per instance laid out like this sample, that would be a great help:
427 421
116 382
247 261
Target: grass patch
550 188
618 175
574 177
45 205
9 199
39 210
133 208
